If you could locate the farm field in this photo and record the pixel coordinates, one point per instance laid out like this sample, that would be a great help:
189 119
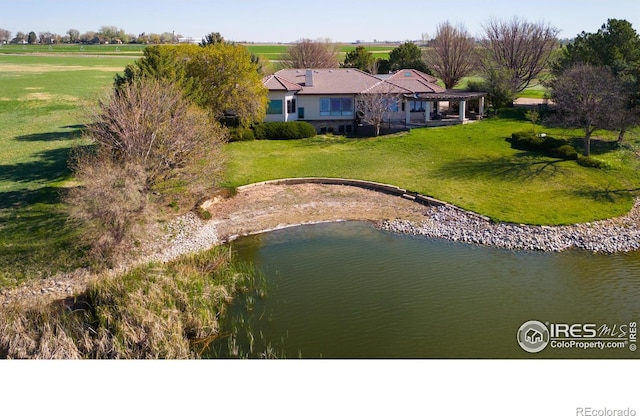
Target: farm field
273 53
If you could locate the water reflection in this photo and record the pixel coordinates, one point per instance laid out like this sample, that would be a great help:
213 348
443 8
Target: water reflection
347 290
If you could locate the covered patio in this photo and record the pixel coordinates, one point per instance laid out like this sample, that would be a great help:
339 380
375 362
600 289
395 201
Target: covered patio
444 108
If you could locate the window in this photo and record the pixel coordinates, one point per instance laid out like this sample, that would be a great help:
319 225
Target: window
418 106
300 112
392 106
291 106
325 107
275 107
336 106
346 107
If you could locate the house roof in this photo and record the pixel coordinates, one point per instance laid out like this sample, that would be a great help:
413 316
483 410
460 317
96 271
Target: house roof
330 80
277 83
409 82
415 81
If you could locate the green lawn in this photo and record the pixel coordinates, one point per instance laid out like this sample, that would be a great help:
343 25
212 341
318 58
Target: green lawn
471 166
41 102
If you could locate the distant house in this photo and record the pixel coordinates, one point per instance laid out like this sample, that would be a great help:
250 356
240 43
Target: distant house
328 98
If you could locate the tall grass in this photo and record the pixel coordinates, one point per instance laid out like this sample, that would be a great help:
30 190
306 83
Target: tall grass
153 311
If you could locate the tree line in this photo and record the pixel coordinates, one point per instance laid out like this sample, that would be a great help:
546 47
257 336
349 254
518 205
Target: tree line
106 34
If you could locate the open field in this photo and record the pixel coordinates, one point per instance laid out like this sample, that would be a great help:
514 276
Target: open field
41 101
123 50
274 52
42 97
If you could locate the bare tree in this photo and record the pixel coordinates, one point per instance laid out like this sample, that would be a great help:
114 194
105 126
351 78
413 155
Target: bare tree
451 55
74 35
307 53
152 148
376 102
520 48
5 36
588 97
46 37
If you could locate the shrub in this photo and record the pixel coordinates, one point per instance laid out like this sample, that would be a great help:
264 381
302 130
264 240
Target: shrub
566 152
241 134
282 130
547 144
526 141
153 148
591 162
550 143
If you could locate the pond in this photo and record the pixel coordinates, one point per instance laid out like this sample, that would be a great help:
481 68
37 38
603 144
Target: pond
349 290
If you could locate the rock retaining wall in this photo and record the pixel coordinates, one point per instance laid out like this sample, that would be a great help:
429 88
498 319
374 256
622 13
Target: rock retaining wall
447 221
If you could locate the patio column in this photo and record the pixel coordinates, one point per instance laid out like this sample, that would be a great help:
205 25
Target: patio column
436 107
463 107
427 112
407 112
481 107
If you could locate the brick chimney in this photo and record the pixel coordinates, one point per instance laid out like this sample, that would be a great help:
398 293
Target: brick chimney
308 78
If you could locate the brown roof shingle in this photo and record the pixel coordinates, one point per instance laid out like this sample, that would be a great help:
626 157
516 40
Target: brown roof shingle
330 80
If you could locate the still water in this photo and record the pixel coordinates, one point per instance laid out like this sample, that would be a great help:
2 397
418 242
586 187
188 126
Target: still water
348 290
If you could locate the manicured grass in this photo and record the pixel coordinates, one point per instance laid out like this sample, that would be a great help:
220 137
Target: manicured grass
41 114
535 91
471 166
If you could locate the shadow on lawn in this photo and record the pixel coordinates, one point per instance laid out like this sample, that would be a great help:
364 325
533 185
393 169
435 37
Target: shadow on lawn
607 194
36 236
50 136
25 197
51 165
524 166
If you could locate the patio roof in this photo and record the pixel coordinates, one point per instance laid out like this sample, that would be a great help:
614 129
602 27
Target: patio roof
449 95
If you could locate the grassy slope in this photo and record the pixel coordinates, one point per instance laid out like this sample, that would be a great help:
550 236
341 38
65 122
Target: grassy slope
41 99
471 166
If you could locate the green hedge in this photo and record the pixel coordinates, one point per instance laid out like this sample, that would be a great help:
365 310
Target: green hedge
281 130
590 162
530 141
566 152
241 134
548 145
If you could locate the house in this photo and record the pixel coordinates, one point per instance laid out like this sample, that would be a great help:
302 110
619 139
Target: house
328 98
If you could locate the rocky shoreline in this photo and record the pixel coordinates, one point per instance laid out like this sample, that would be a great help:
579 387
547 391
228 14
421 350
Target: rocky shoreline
607 236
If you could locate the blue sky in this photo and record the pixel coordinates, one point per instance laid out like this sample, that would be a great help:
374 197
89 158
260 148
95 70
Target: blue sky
287 20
